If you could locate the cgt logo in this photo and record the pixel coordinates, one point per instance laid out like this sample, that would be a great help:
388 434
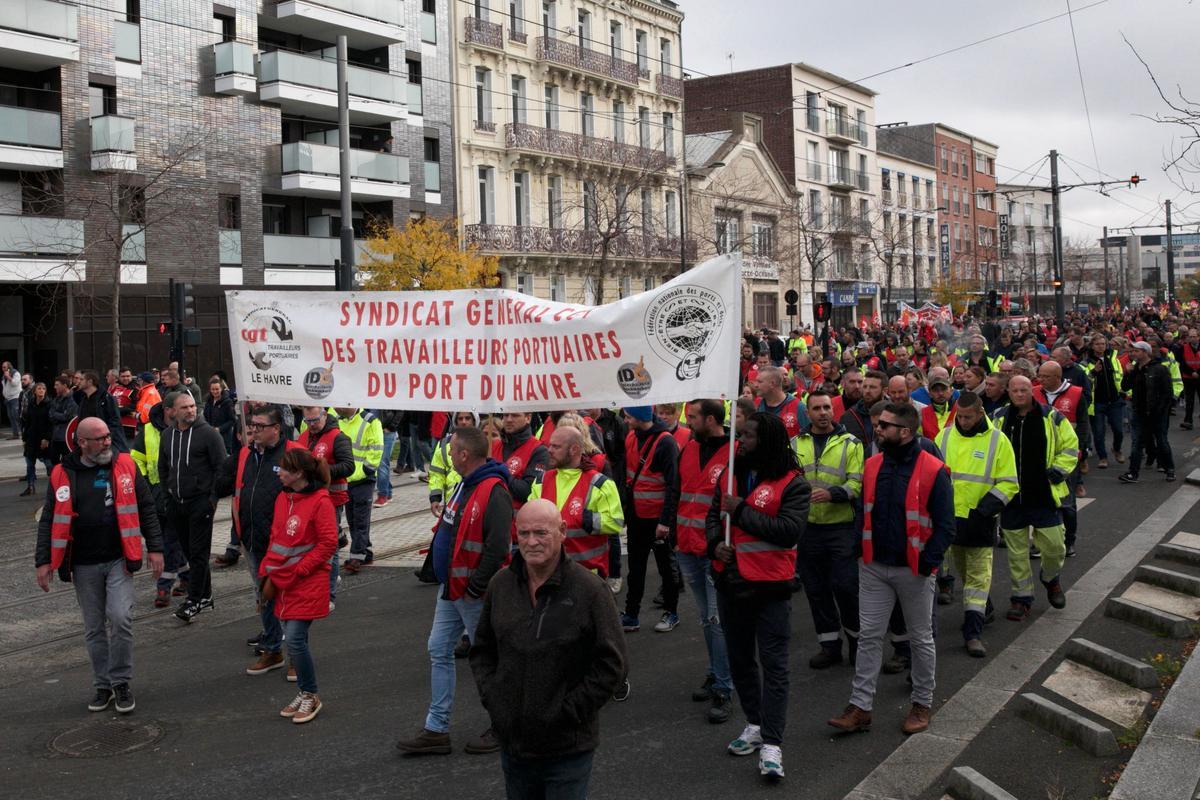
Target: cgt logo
254 336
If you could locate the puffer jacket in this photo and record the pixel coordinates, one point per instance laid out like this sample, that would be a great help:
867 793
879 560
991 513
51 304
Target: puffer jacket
303 539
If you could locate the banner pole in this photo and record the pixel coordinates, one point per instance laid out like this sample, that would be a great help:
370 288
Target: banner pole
737 357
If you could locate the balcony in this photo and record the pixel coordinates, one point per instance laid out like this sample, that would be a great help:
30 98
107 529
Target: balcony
433 176
41 249
902 200
849 225
841 128
815 170
575 147
916 202
133 244
505 239
844 179
307 85
30 139
229 246
313 170
428 27
367 24
416 100
298 255
38 34
233 71
587 63
482 33
127 41
671 87
885 196
114 144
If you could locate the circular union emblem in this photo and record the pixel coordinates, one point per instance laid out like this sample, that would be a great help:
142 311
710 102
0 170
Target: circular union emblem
318 382
682 325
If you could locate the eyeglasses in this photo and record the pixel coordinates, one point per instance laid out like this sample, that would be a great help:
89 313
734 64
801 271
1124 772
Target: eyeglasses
313 421
105 438
257 426
885 424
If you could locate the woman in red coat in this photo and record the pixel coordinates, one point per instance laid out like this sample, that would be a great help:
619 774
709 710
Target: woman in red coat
295 571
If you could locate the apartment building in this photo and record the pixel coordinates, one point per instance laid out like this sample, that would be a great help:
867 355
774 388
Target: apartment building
820 129
966 176
1028 268
200 141
906 228
569 142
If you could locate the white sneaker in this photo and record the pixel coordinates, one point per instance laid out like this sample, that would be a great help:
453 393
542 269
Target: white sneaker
770 761
748 742
615 585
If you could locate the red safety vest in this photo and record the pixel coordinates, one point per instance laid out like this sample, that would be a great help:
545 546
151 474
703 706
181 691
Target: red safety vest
650 490
516 462
237 483
918 526
599 461
1067 403
547 428
589 549
759 560
839 406
682 434
468 544
930 427
124 489
789 414
1191 357
303 529
322 448
696 487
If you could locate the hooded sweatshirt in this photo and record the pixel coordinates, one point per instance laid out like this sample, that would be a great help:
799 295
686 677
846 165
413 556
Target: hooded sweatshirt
188 461
497 528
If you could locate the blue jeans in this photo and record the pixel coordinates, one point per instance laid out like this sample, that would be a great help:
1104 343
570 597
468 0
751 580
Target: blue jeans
31 469
105 595
14 415
696 575
562 778
296 631
383 477
450 619
1114 415
272 635
407 452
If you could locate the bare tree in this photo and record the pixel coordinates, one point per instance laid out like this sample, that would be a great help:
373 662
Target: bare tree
1183 114
889 243
819 232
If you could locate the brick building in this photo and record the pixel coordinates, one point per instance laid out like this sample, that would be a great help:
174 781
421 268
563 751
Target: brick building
174 139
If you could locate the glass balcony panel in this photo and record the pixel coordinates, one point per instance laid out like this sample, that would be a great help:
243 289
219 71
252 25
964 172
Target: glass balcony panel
127 41
30 127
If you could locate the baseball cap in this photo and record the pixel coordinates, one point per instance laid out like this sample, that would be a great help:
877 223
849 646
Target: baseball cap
146 377
939 381
1143 346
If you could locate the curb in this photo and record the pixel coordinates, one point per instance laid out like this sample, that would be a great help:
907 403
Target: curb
1174 552
1091 736
1113 664
968 784
1170 579
1151 618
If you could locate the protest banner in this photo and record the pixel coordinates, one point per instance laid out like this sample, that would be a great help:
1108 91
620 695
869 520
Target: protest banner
490 350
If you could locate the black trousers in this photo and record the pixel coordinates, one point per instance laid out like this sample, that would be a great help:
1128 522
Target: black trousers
828 569
1191 390
641 544
193 521
757 633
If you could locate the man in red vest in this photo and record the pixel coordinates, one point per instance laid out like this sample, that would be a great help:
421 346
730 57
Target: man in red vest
1068 399
325 440
908 522
1188 355
470 545
523 455
97 512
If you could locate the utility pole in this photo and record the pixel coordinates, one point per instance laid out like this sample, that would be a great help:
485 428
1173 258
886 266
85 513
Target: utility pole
344 276
1170 263
1059 311
1104 247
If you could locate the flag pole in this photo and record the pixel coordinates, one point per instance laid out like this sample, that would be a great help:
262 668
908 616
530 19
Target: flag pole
737 356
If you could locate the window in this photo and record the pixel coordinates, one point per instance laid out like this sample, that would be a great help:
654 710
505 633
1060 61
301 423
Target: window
551 107
982 236
980 163
548 17
589 291
133 11
644 126
885 180
274 219
668 123
589 205
672 213
964 163
864 210
766 310
954 203
929 194
520 198
413 67
433 167
624 287
225 26
554 201
614 39
862 172
643 58
517 94
728 232
664 56
483 97
585 29
131 204
516 23
429 21
887 223
525 283
558 288
814 208
648 283
811 117
753 129
587 117
102 100
647 211
916 187
762 238
945 161
991 166
953 160
957 238
814 161
618 122
487 205
229 212
861 118
1047 214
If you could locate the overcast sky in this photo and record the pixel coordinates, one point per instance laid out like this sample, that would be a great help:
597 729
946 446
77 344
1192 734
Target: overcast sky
1020 91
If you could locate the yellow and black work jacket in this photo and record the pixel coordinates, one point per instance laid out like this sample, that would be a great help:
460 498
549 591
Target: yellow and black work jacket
839 469
983 469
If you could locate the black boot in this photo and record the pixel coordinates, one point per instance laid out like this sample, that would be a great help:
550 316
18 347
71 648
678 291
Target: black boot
827 656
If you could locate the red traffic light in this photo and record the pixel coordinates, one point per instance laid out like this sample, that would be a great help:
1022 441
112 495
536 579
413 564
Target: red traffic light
823 311
164 327
1134 180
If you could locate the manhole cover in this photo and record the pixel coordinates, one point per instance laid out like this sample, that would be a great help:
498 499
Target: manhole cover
107 738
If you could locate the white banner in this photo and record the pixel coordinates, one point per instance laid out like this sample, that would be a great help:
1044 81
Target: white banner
490 350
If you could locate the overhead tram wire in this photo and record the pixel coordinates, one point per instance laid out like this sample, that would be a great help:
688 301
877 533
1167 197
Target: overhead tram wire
1083 89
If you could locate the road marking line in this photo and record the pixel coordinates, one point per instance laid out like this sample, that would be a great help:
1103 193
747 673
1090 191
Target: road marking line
913 767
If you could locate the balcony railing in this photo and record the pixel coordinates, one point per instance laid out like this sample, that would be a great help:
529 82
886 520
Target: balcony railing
815 170
842 127
519 136
387 11
520 37
133 244
304 251
569 54
902 200
30 127
849 224
480 31
573 241
44 18
916 204
428 27
127 41
233 58
885 196
321 73
229 246
844 177
323 159
671 87
25 235
113 134
415 99
433 176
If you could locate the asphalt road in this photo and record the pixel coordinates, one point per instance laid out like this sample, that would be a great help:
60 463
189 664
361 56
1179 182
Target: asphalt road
220 731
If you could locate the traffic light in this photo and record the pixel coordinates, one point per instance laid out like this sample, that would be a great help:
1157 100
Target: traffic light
166 327
1134 180
183 302
824 310
1056 283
